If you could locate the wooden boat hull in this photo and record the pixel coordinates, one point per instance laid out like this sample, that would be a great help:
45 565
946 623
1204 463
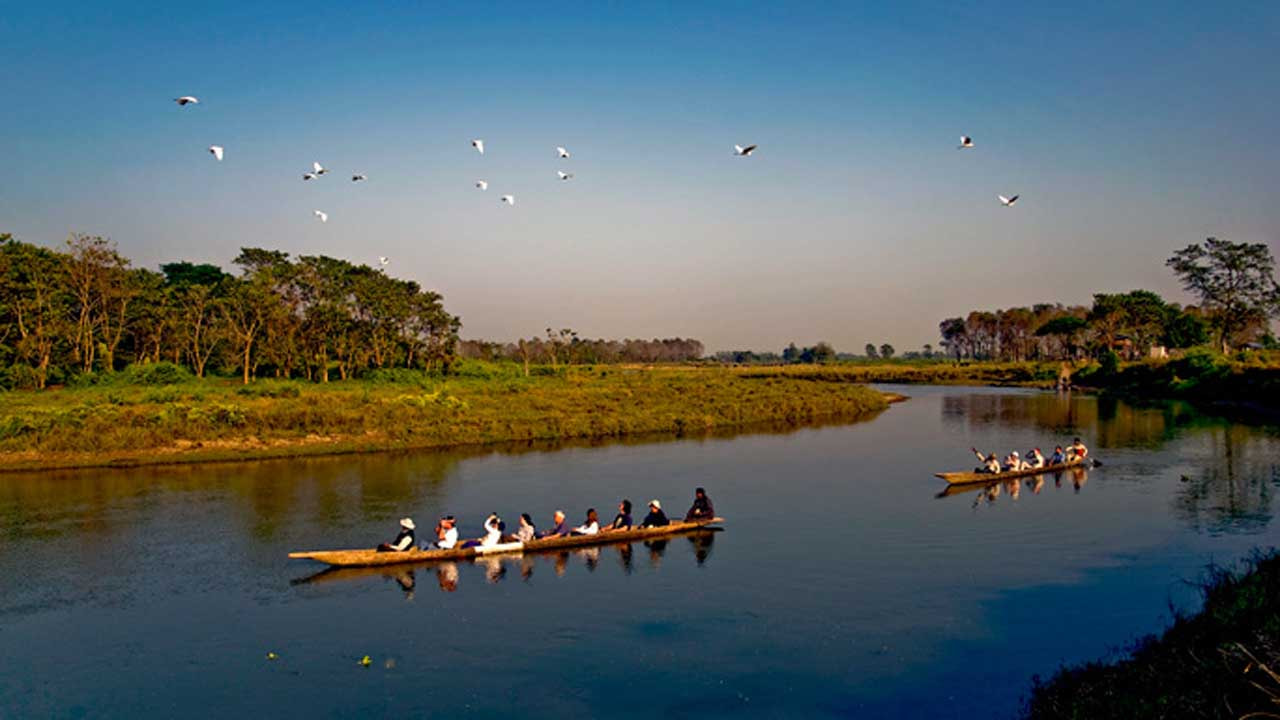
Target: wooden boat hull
373 558
968 478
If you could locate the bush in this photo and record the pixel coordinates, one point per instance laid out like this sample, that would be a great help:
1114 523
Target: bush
157 373
269 389
1109 364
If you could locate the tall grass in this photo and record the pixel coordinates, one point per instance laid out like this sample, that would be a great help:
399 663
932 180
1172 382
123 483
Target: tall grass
1222 662
99 422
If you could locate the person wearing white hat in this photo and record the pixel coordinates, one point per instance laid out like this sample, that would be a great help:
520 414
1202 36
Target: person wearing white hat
1014 462
403 541
655 518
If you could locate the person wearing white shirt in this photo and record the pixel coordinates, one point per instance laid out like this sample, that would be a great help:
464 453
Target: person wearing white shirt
591 526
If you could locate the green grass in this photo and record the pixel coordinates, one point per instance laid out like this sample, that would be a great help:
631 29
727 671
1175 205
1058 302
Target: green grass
126 420
1223 662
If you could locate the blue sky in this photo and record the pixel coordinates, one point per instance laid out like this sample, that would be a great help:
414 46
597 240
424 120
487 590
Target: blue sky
1129 131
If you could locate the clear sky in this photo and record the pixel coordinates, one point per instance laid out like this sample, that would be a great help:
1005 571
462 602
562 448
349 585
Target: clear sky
1129 129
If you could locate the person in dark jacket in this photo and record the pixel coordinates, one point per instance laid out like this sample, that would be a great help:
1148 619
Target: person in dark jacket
403 541
622 521
655 518
560 526
702 509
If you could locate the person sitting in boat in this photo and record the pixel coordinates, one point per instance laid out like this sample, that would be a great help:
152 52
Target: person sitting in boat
591 526
446 534
990 463
1059 456
403 541
1014 463
701 509
526 531
655 518
493 527
622 521
560 528
1035 459
1078 451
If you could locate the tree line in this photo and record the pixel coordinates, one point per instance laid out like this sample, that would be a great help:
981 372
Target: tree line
1234 282
565 347
83 309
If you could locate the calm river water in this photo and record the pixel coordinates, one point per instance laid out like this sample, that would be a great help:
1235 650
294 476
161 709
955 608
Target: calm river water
841 586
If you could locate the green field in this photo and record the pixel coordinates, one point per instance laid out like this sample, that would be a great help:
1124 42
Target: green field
159 413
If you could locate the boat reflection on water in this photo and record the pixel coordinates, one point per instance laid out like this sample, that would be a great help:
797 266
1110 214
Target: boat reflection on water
495 567
989 493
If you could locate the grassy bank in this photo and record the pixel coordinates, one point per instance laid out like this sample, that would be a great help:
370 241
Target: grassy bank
148 417
1030 374
1223 662
1202 377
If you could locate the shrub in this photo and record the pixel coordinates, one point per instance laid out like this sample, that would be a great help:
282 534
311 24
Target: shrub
270 389
157 373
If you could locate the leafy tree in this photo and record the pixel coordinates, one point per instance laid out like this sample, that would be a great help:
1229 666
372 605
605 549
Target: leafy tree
791 353
926 351
1067 329
184 273
1235 283
871 351
886 351
954 336
1184 329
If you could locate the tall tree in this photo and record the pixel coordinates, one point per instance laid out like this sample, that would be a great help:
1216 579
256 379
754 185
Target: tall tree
870 350
1235 283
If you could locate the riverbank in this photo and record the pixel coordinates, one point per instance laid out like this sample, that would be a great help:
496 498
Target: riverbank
1223 662
132 420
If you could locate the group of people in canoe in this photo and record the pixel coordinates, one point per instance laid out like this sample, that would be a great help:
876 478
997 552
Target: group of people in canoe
446 530
1073 454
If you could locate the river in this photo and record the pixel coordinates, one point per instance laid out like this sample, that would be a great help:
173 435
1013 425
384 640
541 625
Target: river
841 585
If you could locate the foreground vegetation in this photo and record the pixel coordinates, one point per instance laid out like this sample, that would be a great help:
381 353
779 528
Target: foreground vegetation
1223 662
160 413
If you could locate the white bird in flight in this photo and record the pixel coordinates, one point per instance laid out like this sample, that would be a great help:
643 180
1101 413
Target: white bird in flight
186 100
562 152
509 199
382 260
358 177
324 217
217 151
744 151
478 145
564 175
1008 201
318 169
965 142
483 185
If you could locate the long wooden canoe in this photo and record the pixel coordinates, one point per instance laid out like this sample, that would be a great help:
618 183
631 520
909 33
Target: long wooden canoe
371 557
966 478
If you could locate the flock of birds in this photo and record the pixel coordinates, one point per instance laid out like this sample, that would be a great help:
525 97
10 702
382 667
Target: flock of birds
317 170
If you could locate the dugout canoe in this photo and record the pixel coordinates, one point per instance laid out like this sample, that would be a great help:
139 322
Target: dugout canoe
969 478
372 558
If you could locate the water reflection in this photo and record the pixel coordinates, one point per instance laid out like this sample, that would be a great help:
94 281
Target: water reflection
495 567
1233 492
989 493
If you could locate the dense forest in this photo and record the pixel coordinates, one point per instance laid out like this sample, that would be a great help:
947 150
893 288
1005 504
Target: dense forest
83 310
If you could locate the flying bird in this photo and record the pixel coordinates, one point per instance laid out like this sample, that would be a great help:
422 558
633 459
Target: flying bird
382 260
1008 201
217 151
483 185
309 176
562 152
744 151
324 217
509 199
358 177
478 145
564 175
965 142
317 169
186 100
